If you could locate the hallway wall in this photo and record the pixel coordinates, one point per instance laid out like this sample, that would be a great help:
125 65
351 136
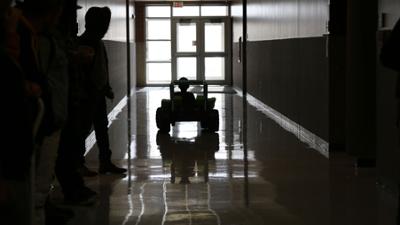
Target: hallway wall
116 45
287 66
388 153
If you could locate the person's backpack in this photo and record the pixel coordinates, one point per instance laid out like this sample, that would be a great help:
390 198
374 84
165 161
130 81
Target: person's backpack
390 52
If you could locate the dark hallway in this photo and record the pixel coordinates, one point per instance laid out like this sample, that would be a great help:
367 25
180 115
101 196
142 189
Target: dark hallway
307 117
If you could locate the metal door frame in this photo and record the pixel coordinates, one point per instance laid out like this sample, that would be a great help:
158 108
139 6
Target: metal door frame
200 53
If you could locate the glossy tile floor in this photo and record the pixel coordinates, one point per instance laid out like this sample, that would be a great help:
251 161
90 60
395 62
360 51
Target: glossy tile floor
251 172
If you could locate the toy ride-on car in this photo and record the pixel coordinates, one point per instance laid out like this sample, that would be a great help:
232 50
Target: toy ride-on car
183 106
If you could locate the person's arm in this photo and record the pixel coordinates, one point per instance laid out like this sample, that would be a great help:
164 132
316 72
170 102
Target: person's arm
108 92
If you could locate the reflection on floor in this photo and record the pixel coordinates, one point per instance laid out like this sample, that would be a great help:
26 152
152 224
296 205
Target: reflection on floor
251 172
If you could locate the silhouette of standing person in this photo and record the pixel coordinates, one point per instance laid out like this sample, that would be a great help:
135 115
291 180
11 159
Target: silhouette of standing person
97 83
52 62
15 162
70 147
390 57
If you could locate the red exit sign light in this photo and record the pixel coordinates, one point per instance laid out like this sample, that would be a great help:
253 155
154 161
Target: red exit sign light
178 4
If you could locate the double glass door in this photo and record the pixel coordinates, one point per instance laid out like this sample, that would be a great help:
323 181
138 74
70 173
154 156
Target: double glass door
199 49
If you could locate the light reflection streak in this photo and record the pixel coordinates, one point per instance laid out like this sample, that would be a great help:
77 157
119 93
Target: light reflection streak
187 204
237 176
132 177
165 203
211 175
142 203
130 213
235 155
159 176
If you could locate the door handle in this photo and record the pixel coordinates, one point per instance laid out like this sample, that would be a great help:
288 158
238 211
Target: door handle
240 51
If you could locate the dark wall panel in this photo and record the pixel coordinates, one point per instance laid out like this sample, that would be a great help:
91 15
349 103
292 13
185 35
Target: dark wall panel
287 66
291 76
337 90
388 149
360 78
118 70
236 67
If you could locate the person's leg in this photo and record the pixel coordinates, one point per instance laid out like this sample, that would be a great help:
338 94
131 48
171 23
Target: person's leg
100 122
66 164
44 174
82 124
71 181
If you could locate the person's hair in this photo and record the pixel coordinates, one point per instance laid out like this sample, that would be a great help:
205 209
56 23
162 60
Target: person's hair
183 84
37 8
98 17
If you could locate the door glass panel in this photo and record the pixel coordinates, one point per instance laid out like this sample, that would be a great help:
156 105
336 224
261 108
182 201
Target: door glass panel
158 50
158 29
186 37
214 37
214 11
214 68
158 72
186 11
187 67
158 11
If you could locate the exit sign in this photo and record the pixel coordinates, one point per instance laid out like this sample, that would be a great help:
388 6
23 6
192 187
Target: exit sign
178 4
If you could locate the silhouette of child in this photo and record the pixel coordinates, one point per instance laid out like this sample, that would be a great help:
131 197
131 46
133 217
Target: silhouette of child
188 99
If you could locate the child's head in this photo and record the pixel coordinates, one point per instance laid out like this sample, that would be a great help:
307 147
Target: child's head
183 85
97 21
